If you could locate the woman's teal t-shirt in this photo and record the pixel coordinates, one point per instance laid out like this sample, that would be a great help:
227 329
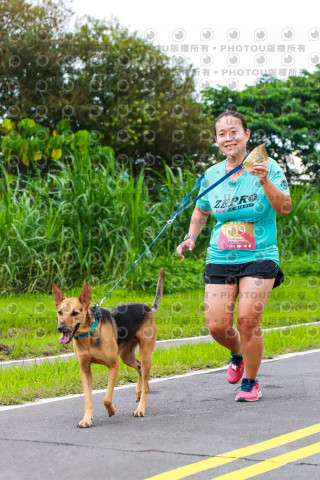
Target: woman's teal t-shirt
242 201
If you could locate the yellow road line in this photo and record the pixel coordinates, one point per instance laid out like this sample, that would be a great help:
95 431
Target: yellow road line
271 463
227 457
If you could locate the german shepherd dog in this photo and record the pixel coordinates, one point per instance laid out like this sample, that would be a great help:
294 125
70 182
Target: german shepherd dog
119 331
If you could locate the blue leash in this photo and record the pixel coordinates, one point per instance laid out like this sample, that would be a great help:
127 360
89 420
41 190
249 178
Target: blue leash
174 216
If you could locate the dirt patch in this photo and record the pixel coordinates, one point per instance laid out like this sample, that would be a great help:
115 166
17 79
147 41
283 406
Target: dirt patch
6 349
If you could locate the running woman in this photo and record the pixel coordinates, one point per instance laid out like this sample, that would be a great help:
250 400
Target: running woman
242 258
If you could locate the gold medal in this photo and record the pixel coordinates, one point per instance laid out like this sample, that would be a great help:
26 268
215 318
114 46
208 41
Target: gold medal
258 155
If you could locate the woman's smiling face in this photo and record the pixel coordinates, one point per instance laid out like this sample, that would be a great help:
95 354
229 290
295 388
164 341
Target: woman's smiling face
231 137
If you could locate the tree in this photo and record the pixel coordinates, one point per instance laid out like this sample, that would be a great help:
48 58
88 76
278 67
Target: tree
101 78
142 106
33 55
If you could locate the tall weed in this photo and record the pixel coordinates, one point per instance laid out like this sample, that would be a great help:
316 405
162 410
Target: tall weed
89 219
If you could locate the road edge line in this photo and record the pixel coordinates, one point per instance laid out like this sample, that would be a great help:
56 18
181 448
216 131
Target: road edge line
153 380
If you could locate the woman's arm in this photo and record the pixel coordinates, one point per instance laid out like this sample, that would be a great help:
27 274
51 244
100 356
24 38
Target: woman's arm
198 220
279 201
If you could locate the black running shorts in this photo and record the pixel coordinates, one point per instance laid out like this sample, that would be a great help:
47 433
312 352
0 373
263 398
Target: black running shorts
230 273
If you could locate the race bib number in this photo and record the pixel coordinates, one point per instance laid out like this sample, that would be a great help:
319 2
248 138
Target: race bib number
237 236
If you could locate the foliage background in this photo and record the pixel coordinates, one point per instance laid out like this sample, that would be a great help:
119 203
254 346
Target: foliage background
89 217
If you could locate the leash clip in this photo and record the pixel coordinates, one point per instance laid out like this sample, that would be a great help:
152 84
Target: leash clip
171 220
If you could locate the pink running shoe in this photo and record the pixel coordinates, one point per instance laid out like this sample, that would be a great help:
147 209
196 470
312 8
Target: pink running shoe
249 392
236 368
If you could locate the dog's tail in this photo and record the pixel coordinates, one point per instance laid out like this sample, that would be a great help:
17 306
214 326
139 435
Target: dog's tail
159 292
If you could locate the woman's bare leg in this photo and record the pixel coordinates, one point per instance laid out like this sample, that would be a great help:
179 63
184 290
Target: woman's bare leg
219 301
253 296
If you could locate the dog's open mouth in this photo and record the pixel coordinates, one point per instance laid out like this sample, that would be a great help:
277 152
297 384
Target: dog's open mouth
65 338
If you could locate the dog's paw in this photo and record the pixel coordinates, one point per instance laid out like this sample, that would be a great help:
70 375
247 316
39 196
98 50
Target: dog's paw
138 396
111 409
139 412
85 423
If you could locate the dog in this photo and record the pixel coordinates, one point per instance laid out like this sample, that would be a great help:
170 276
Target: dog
119 331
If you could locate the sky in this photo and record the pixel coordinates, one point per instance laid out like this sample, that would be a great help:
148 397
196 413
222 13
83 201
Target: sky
231 43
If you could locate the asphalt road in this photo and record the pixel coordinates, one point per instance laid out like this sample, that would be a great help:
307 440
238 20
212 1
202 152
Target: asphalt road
189 419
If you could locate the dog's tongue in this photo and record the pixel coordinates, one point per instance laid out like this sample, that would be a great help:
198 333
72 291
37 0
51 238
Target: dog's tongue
64 338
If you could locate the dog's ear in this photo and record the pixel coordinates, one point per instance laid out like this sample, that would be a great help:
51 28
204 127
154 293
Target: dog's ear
85 295
57 294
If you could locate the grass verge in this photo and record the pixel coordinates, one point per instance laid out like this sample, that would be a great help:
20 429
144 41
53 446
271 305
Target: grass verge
52 379
28 323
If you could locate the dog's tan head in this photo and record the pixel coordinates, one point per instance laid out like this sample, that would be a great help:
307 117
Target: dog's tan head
72 312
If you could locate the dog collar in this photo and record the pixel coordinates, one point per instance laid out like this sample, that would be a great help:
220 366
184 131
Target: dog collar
93 326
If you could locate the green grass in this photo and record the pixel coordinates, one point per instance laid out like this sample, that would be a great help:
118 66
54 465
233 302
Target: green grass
28 323
55 378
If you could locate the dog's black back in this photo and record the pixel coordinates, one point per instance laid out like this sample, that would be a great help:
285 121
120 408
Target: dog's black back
129 317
